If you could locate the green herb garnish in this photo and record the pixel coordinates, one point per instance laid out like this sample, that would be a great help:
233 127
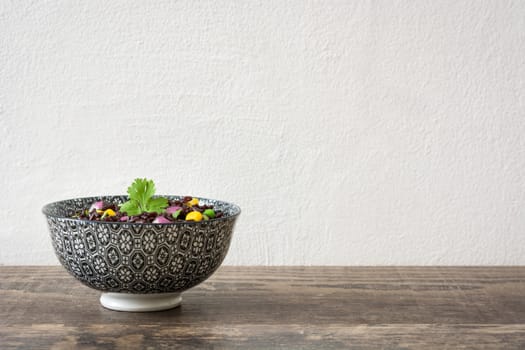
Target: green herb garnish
140 200
176 214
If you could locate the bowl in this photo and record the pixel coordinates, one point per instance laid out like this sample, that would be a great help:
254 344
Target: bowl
139 266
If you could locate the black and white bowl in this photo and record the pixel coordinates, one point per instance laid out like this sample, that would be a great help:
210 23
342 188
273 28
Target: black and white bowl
139 266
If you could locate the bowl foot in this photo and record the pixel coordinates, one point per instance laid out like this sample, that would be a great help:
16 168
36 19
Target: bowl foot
140 302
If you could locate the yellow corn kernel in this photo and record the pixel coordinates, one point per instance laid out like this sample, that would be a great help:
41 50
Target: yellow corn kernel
194 201
99 211
194 216
109 212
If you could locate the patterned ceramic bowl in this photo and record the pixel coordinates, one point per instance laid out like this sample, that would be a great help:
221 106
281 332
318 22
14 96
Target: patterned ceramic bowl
139 266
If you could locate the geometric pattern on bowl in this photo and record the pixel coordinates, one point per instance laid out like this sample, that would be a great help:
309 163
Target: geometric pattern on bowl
139 258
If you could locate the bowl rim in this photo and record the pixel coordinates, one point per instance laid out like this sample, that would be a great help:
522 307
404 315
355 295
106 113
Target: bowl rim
47 207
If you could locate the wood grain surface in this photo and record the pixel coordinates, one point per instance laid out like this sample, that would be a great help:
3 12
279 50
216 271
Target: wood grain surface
277 308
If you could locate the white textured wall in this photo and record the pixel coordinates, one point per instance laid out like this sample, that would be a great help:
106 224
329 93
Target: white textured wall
350 132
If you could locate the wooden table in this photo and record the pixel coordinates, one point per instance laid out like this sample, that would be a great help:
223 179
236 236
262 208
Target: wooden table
278 307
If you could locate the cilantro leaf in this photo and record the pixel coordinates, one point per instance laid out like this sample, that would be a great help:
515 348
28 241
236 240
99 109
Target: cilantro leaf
131 207
140 200
157 205
141 190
